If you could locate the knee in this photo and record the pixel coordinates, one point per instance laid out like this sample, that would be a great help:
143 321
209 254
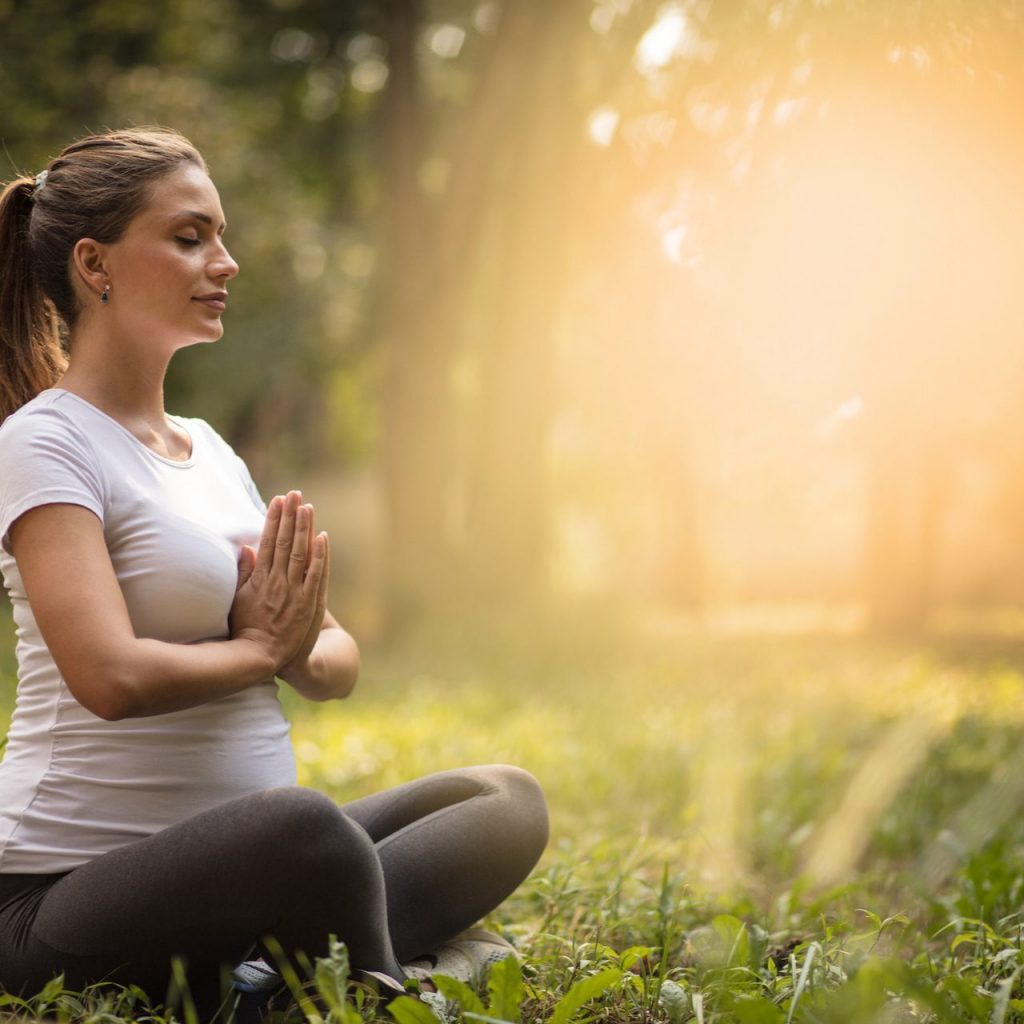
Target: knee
312 834
525 806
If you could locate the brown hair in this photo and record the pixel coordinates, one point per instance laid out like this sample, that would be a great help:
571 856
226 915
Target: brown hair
92 190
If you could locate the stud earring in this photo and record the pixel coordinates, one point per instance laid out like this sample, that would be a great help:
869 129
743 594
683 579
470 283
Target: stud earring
105 296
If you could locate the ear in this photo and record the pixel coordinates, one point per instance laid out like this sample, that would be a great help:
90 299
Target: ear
89 259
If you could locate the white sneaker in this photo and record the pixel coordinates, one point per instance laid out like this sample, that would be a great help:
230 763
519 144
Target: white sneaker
256 976
466 958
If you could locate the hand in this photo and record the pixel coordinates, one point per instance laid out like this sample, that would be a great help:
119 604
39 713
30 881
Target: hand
297 668
279 585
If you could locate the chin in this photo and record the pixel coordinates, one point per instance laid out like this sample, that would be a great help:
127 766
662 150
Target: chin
213 333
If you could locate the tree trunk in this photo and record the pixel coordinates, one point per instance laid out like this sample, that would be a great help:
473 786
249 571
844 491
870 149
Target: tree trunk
507 496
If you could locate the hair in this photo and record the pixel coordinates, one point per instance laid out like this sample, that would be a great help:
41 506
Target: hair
93 189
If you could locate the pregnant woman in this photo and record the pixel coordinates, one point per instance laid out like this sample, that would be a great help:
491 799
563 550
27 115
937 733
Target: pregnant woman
148 806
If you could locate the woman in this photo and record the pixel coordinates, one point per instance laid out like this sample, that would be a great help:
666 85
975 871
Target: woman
148 807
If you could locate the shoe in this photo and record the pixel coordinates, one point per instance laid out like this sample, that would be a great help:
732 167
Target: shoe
383 984
466 958
256 976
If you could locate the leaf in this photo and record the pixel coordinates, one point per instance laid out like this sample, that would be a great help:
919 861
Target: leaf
505 989
459 992
582 992
50 990
674 1000
735 939
967 997
961 939
331 978
407 1010
633 955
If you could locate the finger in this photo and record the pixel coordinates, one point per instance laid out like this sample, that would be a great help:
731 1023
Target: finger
299 555
268 539
246 564
317 568
312 534
325 575
285 533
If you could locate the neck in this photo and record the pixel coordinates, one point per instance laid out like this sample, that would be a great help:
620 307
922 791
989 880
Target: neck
126 396
122 379
126 382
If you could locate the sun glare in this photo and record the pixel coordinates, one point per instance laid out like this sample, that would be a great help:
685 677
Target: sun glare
671 35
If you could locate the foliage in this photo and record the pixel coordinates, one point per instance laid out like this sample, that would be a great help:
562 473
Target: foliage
650 906
665 299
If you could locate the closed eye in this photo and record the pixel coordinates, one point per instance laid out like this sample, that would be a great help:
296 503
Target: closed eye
186 241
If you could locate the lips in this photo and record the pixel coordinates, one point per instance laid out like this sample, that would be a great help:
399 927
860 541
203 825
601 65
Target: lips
214 300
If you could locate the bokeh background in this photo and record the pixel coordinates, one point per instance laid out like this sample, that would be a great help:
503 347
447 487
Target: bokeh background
655 367
687 313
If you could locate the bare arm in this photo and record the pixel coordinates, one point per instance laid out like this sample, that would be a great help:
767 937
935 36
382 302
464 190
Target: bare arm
77 602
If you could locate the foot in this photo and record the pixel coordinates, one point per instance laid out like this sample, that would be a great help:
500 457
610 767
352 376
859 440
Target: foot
256 976
467 958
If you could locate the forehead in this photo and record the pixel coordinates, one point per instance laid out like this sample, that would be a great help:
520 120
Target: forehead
188 188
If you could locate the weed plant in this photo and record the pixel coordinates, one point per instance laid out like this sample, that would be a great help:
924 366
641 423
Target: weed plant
753 829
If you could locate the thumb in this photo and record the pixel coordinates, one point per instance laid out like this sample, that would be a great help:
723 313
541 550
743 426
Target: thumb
246 564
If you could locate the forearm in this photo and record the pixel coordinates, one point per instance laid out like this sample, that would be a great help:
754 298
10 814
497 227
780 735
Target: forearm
149 677
330 670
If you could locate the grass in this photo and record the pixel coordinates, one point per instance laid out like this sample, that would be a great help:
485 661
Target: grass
746 828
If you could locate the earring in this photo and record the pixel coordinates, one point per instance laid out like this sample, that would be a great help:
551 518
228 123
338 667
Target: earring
105 296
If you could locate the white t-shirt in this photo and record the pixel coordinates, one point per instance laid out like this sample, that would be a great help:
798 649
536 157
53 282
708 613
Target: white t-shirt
73 786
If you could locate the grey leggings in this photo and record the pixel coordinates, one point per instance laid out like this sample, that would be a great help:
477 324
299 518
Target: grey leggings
392 875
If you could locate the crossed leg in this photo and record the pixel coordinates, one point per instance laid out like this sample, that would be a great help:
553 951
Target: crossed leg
391 875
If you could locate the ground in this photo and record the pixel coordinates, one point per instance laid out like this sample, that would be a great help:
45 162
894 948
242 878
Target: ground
750 827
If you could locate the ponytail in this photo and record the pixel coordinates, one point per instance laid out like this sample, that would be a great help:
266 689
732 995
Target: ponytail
31 358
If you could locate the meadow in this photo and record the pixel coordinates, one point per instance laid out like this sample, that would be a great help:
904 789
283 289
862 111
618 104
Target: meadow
747 826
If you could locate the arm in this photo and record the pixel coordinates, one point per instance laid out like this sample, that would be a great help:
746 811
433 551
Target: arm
330 669
77 602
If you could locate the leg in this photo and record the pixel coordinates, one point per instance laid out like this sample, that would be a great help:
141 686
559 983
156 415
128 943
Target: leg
284 862
452 846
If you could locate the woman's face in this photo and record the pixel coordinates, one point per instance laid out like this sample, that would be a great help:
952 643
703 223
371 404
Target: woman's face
168 273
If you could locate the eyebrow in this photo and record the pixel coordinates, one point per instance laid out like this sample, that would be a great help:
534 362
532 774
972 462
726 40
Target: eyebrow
196 215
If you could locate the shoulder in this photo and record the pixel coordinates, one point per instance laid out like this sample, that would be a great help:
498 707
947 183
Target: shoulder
47 422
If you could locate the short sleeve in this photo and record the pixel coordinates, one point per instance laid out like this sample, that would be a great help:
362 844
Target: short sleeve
45 459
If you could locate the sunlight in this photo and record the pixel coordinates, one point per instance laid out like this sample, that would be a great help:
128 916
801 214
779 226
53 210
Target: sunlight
601 125
671 35
446 40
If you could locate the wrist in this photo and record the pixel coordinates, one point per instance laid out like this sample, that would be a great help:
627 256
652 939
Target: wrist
261 657
303 672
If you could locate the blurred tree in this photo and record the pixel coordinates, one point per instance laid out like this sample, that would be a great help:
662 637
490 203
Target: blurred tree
609 255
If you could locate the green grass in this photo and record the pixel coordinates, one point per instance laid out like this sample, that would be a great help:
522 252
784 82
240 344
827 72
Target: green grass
744 828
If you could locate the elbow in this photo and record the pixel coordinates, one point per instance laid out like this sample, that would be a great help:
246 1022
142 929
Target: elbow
109 711
337 687
347 682
105 693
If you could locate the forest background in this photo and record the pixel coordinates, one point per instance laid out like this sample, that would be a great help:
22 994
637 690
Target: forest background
655 368
668 308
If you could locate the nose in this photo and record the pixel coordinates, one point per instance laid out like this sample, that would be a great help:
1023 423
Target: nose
222 265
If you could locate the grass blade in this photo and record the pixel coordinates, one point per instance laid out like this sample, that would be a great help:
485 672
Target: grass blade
801 984
582 992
